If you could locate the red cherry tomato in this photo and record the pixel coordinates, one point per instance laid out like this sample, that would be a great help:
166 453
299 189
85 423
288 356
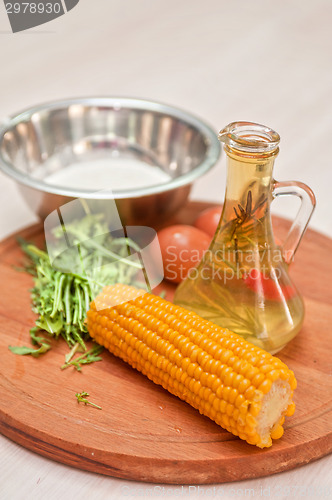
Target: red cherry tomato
208 220
258 283
182 248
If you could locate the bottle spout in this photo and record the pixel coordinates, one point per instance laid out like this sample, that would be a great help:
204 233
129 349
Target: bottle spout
249 137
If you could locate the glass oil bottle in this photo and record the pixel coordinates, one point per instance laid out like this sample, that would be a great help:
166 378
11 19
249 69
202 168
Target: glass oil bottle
242 282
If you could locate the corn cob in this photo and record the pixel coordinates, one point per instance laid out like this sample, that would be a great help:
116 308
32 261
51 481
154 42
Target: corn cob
238 385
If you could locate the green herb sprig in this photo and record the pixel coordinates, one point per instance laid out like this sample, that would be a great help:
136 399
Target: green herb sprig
88 357
42 345
82 398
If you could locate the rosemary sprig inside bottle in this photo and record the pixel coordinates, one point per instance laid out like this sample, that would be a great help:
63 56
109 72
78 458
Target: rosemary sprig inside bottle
245 217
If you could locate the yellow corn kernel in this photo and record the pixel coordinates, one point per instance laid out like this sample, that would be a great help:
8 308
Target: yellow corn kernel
277 432
265 386
290 410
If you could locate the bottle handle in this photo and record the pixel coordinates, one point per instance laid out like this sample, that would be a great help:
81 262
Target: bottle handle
297 230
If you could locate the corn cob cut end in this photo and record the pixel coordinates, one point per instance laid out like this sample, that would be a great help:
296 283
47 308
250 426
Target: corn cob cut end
244 389
273 409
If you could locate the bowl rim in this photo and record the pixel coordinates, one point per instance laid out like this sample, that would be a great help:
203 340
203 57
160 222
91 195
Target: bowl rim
210 137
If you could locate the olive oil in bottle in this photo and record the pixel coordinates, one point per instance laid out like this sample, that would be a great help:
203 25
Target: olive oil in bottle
242 282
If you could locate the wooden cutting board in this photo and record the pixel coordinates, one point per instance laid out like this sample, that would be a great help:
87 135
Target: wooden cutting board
142 432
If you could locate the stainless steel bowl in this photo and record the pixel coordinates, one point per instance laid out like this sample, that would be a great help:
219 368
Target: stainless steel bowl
43 140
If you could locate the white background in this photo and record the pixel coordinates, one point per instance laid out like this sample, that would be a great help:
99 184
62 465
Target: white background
256 60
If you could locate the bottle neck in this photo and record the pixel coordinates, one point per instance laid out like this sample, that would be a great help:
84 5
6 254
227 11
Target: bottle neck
248 174
251 149
248 196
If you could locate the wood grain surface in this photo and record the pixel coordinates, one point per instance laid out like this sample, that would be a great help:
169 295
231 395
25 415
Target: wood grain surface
142 432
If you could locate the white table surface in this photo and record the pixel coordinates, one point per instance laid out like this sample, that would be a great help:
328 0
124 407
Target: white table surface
257 60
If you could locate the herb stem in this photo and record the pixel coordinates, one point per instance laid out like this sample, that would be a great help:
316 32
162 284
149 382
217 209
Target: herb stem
94 351
72 352
67 300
